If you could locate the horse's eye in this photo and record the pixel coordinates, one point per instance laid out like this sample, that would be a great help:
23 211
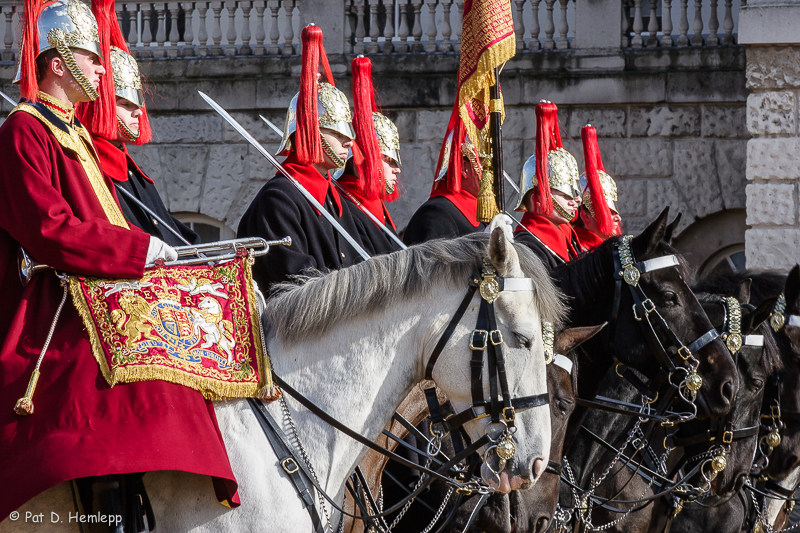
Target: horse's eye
523 341
669 297
757 384
564 406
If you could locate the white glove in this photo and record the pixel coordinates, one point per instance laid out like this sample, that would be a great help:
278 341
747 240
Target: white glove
158 249
498 221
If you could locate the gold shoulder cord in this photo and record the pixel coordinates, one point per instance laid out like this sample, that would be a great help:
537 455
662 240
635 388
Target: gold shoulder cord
79 142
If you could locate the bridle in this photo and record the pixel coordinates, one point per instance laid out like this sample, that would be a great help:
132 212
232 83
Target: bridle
456 472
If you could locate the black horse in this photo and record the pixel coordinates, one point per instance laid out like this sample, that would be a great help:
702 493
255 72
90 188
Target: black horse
782 393
737 433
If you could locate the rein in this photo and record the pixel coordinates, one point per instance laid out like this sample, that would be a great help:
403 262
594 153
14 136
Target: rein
485 338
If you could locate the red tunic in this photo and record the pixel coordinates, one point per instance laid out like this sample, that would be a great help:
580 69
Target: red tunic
80 427
588 240
558 239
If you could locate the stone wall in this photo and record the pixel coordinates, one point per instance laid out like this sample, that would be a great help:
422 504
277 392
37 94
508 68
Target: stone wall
671 123
773 153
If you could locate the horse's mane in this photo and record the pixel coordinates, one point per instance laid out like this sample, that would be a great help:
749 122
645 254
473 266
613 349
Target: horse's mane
771 358
581 277
766 284
314 305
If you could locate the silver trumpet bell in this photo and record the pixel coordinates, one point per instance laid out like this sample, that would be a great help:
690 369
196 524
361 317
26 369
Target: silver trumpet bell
211 252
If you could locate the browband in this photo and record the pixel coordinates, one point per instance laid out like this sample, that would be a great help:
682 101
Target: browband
657 264
753 340
563 362
793 320
516 284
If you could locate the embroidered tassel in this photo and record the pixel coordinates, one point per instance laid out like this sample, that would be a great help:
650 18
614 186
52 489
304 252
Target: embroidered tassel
307 142
487 202
593 164
548 137
370 172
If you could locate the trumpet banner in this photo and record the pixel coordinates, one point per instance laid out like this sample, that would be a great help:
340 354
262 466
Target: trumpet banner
196 326
487 41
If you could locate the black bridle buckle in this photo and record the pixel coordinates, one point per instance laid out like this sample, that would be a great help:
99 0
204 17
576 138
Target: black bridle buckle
290 466
509 414
727 437
496 337
483 340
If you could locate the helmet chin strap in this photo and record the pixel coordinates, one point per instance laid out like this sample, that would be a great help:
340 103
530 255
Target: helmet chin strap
126 131
563 212
338 161
72 66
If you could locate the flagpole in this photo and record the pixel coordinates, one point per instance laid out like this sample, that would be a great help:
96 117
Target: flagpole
495 108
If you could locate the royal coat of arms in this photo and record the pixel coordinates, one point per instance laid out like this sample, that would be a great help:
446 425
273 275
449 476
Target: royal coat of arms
196 326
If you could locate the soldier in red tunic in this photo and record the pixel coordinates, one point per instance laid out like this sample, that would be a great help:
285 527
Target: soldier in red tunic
56 204
549 194
451 210
373 182
599 218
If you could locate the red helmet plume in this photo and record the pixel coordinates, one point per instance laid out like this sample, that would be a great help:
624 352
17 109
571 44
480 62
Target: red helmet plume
593 164
307 141
548 137
450 154
370 171
29 82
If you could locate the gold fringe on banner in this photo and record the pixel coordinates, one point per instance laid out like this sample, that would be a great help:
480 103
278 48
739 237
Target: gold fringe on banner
210 388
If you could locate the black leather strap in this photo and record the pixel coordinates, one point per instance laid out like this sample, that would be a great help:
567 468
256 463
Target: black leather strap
451 327
703 340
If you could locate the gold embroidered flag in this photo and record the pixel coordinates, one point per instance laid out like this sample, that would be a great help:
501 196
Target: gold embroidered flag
196 326
487 41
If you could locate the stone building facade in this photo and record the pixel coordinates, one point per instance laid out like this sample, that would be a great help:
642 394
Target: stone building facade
674 121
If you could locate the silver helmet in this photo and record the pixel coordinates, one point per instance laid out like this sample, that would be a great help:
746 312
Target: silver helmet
388 137
609 192
127 80
334 114
562 173
66 24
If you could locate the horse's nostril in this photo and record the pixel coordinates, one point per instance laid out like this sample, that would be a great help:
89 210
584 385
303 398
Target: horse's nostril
542 523
727 391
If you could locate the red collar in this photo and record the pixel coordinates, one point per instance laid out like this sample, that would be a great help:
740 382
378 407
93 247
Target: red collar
587 239
557 238
464 202
375 205
114 161
314 182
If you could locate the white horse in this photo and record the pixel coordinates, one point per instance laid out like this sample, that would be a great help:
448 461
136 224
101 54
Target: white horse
355 342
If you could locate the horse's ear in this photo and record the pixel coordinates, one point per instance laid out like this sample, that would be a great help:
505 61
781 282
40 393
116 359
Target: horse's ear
792 289
743 291
670 233
570 338
762 312
501 247
645 244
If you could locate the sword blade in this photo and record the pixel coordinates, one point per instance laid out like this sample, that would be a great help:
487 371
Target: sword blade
8 99
510 181
257 145
363 209
271 125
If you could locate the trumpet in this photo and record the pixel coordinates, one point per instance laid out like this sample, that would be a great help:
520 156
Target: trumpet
211 252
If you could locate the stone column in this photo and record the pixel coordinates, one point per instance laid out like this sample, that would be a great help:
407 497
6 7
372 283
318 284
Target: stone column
768 28
328 15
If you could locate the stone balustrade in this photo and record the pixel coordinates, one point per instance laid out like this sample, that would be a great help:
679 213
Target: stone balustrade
272 27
